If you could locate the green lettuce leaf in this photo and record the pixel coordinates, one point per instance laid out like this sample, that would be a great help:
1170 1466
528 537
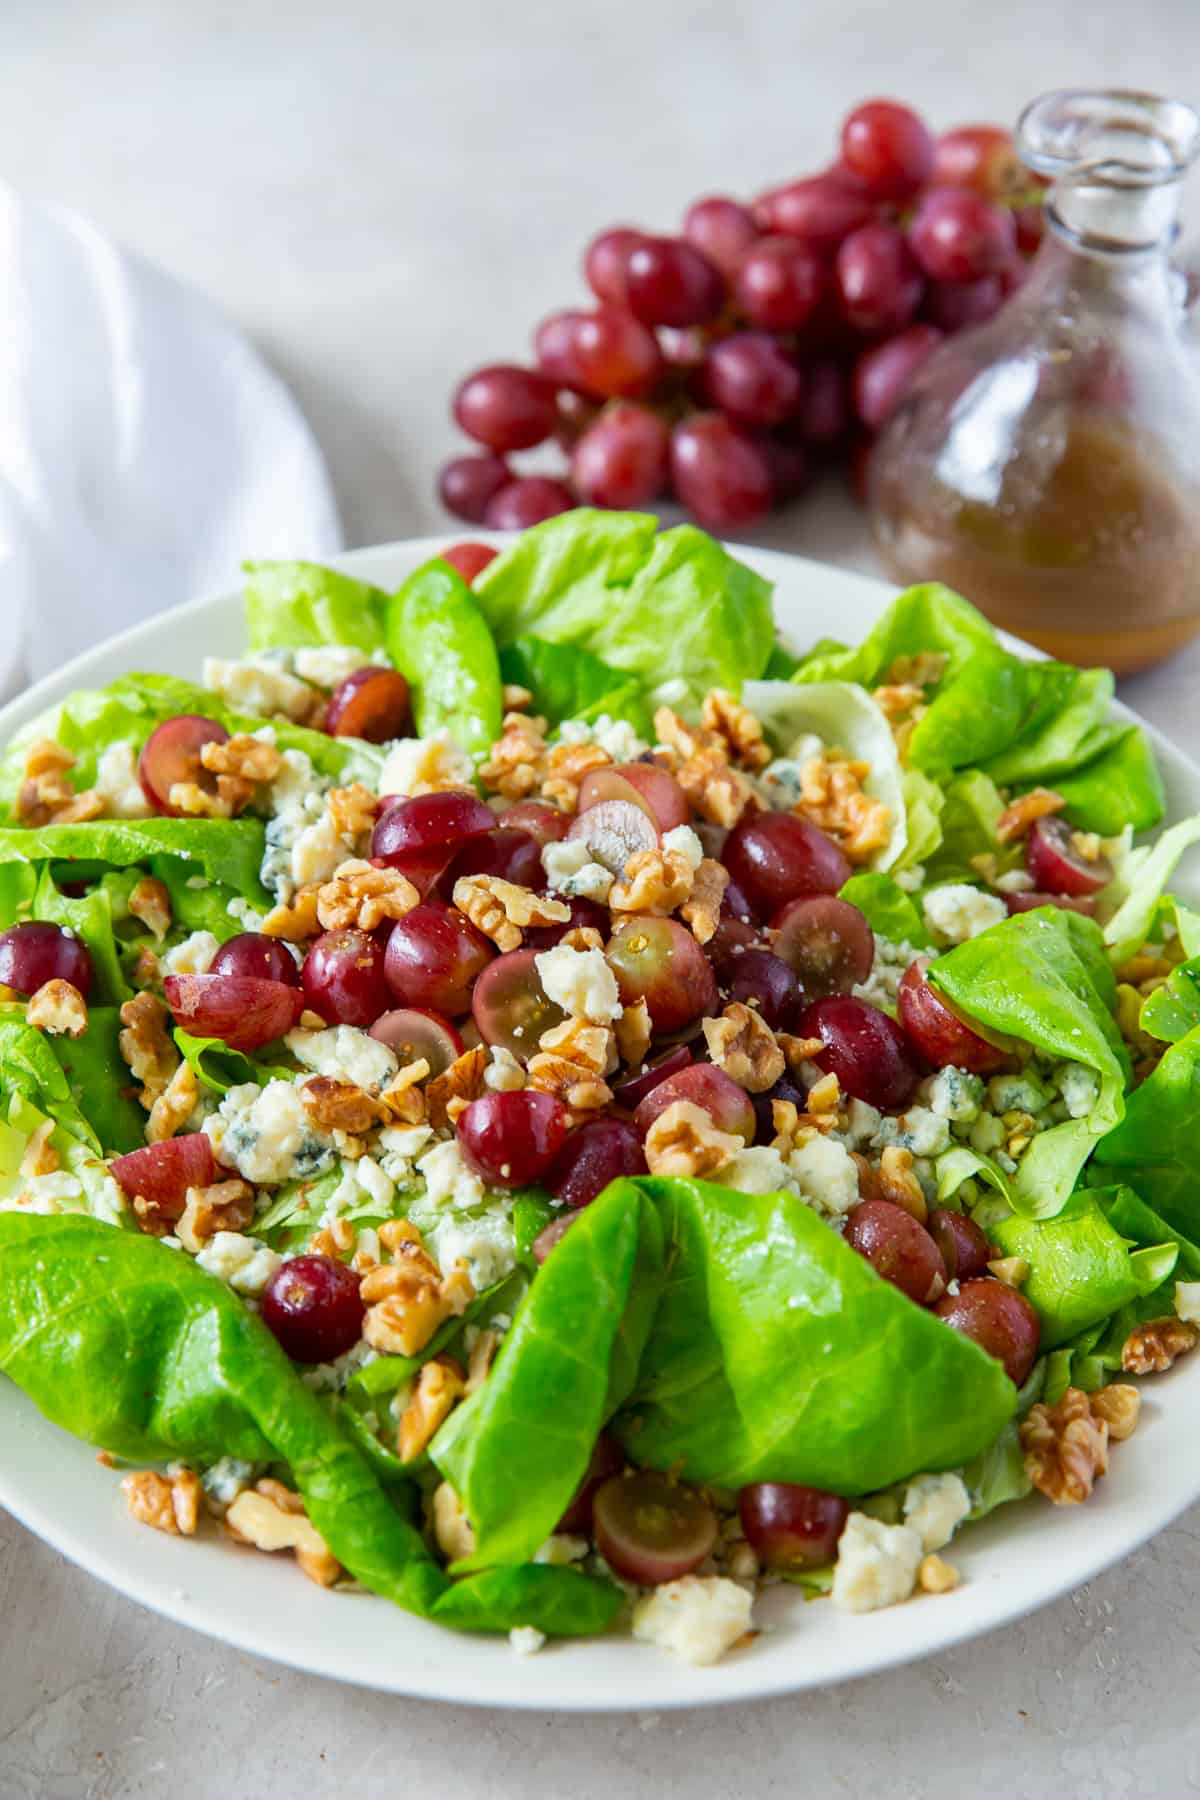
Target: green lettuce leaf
569 683
1121 786
437 636
1173 1010
888 910
299 605
976 713
923 804
226 851
969 818
1080 1268
1131 899
29 1068
1067 727
1153 1148
928 617
82 1181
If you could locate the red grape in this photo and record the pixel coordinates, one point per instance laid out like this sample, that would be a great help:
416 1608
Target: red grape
552 1235
246 1011
505 407
999 1320
1057 865
719 473
883 372
751 377
412 1035
774 857
606 353
313 1307
470 559
511 1139
879 284
372 704
511 1007
763 980
790 466
607 1459
36 952
605 262
644 785
344 978
889 148
1030 901
651 1529
595 1154
953 305
824 412
171 755
253 953
932 1025
575 413
898 1249
659 961
864 1048
780 284
545 824
965 1250
511 855
467 483
703 1085
819 211
669 282
789 1526
420 835
621 460
631 1092
826 941
433 958
983 158
527 502
958 236
161 1174
722 229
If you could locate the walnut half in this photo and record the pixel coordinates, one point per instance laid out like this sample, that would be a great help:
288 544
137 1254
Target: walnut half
1065 1448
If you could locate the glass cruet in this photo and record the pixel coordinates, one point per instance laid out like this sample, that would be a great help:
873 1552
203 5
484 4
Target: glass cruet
1047 463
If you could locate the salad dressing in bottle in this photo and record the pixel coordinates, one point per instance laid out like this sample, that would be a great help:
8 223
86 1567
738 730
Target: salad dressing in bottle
1047 464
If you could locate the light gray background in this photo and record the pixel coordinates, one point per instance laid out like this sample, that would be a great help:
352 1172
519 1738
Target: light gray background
385 194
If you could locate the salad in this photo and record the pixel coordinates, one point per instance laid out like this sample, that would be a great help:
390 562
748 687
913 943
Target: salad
541 1100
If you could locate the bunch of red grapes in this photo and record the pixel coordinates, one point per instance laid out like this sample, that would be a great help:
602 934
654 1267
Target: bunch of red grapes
724 365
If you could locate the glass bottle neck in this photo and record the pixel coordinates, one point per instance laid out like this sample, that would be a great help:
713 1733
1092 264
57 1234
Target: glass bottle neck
1074 273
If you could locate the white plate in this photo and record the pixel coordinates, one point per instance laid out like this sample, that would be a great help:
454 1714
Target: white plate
1020 1559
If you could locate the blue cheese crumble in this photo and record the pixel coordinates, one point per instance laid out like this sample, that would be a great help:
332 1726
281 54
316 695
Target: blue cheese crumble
267 1136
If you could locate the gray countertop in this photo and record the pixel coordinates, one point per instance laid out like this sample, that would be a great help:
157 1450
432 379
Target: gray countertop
385 195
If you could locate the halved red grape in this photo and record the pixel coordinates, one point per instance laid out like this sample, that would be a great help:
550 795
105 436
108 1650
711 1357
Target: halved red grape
759 978
898 1249
606 353
820 211
419 836
510 855
998 1319
883 372
789 1526
411 1034
511 1139
171 755
785 1089
344 978
937 1032
661 793
434 956
372 704
545 824
633 1090
505 407
595 1154
722 229
650 1528
1030 901
706 1086
527 502
888 147
965 1249
660 962
613 830
864 1048
313 1308
510 1006
719 472
244 1010
469 558
826 941
752 377
583 913
776 857
669 282
621 460
780 283
1057 865
36 952
253 953
879 283
162 1173
605 262
607 1459
959 236
467 483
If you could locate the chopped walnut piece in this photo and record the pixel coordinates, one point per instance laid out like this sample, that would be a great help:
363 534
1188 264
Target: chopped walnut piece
1153 1347
58 1008
439 1386
515 698
297 919
197 802
633 1033
334 1105
825 1095
1065 1448
868 1178
452 1529
39 1156
408 1298
702 907
1013 1271
222 1206
364 896
1022 814
737 728
684 1141
742 1044
147 1046
352 811
582 937
336 1239
924 668
1119 1406
899 700
403 1097
898 1182
150 902
577 1087
174 1105
451 1092
798 1050
501 909
936 1576
257 1517
566 766
700 764
832 797
168 1503
46 797
243 757
592 1047
514 764
654 881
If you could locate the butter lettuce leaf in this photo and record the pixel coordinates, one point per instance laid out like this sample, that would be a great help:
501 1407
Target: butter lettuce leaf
1131 900
1153 1148
1121 786
569 683
226 851
438 638
1080 1269
303 605
928 617
888 910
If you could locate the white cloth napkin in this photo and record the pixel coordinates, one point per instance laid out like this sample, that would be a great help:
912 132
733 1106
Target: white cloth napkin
145 448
